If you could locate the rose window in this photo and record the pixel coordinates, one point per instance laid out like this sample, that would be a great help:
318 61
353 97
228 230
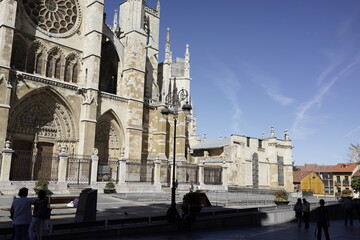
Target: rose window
54 17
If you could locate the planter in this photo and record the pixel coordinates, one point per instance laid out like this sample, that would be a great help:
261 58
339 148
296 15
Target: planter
109 191
281 203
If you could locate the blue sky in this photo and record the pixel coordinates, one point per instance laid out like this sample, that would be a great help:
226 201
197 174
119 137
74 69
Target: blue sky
258 63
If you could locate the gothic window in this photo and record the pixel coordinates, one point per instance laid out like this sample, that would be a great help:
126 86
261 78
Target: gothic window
53 66
50 65
38 63
67 72
280 170
75 73
53 17
57 68
255 168
18 55
71 69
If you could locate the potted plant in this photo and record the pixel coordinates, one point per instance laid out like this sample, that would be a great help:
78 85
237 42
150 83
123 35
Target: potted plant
346 193
109 188
41 184
281 197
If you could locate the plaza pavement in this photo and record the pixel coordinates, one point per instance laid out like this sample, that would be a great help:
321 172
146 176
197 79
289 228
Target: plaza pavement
110 207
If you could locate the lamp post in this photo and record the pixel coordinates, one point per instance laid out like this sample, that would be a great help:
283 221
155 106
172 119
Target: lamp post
172 104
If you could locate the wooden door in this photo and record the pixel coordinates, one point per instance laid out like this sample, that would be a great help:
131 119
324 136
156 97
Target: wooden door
43 161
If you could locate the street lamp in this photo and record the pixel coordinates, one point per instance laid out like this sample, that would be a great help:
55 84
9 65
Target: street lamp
172 103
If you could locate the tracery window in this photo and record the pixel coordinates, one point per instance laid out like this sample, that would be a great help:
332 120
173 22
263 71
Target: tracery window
54 64
38 63
71 69
53 17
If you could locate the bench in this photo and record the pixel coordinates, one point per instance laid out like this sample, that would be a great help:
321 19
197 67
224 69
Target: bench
58 200
55 202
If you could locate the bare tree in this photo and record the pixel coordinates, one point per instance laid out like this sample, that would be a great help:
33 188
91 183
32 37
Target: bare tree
354 153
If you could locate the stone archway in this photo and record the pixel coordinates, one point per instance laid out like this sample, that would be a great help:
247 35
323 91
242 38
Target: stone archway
109 140
109 137
38 124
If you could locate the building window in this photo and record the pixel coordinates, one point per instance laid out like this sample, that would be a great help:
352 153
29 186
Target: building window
247 141
260 143
338 179
280 161
38 63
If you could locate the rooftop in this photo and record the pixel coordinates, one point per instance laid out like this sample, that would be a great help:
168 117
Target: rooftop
317 168
300 175
345 167
215 143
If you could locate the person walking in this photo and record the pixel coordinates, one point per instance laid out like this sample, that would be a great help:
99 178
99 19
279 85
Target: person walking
40 214
298 211
348 210
322 220
191 187
20 213
306 212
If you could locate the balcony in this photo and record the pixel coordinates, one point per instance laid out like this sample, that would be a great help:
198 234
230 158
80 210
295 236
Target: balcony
338 184
345 183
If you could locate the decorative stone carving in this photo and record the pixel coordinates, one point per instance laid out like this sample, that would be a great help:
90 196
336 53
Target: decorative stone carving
51 82
3 78
44 115
95 151
52 17
7 144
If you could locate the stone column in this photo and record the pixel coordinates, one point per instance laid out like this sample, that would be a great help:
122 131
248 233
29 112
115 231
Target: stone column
6 163
92 30
122 170
201 174
62 169
94 166
157 172
181 137
224 175
7 28
160 136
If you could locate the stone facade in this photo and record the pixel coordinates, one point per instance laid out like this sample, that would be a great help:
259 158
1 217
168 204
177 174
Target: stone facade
69 81
264 163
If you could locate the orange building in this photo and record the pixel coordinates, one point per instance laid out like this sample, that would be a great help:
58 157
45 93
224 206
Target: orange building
307 181
342 175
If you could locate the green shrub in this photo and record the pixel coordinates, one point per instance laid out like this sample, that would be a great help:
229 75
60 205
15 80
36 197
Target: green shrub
281 196
346 193
110 186
41 184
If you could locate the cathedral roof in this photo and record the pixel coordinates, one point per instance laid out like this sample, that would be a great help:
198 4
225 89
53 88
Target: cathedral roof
214 143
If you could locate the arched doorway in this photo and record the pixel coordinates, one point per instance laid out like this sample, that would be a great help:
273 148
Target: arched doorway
255 170
39 124
109 140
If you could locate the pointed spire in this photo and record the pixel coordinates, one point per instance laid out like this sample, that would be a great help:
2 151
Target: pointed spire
168 57
286 135
272 132
115 22
187 62
158 7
